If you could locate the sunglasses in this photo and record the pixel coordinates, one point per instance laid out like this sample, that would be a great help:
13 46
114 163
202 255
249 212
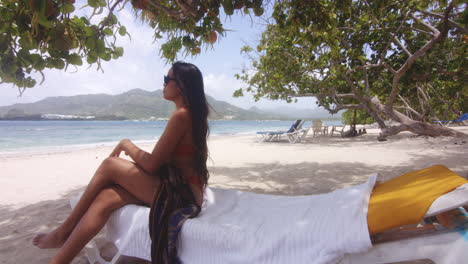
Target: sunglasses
167 79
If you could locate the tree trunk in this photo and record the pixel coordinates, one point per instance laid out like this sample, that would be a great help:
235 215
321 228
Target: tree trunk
408 124
420 128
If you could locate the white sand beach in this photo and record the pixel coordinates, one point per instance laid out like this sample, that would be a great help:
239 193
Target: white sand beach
36 188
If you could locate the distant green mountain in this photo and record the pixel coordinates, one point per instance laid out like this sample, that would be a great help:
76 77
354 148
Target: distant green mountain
134 104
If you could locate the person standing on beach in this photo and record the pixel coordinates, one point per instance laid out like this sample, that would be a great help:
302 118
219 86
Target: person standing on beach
118 182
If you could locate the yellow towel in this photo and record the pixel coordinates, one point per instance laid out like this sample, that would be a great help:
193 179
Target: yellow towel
404 200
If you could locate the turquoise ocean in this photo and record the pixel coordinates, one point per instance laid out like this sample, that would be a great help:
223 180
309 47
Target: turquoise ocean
44 136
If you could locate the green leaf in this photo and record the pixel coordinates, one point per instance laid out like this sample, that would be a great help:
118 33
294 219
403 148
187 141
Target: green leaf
100 45
40 65
59 64
102 3
91 58
45 23
35 58
29 82
67 8
75 59
90 43
105 56
108 31
89 32
85 20
113 19
122 31
118 51
94 3
238 93
26 42
259 11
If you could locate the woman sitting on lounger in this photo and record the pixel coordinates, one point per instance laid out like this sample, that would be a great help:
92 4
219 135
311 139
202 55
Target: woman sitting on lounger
118 182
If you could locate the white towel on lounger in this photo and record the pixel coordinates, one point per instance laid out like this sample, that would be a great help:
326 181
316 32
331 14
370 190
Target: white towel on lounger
243 227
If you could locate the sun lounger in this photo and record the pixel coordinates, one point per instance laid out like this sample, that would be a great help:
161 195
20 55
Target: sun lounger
444 248
279 229
316 127
293 133
462 118
425 241
337 129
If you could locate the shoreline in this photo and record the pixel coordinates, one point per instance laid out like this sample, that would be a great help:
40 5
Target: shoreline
58 149
57 136
61 149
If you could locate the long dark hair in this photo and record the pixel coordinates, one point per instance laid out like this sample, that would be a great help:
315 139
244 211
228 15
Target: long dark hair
190 80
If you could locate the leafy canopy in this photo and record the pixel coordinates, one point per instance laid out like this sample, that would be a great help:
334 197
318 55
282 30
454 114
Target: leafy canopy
40 34
352 54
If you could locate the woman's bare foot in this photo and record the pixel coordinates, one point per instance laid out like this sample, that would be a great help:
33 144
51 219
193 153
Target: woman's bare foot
49 240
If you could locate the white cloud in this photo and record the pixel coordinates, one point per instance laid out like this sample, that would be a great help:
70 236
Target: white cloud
222 86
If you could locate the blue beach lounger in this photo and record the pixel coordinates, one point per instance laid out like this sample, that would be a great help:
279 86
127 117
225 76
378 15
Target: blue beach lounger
267 136
462 118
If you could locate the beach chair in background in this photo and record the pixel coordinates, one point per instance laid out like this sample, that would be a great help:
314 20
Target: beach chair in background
317 127
298 135
292 133
462 118
337 129
440 237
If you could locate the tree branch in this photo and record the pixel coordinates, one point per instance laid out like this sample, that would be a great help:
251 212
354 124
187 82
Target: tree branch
366 82
401 46
353 87
371 66
338 108
408 107
188 8
409 62
382 56
111 10
388 67
450 21
168 11
387 29
366 103
316 95
426 99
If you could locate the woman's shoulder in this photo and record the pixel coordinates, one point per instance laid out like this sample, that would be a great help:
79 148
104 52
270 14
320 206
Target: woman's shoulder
181 113
181 116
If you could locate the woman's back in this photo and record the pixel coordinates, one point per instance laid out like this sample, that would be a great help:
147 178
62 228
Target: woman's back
183 159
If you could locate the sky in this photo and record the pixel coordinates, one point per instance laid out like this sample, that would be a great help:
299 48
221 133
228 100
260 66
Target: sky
142 67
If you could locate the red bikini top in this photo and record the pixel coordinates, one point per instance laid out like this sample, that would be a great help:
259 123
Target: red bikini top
187 150
184 150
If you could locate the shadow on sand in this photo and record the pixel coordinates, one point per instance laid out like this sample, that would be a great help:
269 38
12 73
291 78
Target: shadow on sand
313 178
19 225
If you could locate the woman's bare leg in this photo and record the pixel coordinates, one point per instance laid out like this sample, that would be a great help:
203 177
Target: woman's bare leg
93 220
112 171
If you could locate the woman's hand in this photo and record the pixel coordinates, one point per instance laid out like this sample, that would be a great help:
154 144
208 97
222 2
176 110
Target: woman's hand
119 148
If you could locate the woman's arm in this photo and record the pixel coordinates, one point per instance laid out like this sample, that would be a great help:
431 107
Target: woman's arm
162 152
